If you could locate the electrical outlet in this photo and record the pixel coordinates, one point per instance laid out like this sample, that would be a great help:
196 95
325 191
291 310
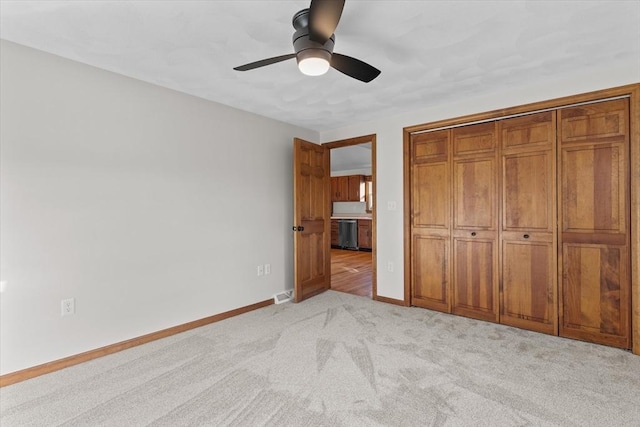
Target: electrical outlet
267 269
68 307
261 270
390 267
391 205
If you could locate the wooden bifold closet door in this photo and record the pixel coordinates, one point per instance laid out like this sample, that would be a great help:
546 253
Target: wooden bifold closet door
594 215
528 291
474 233
525 221
431 220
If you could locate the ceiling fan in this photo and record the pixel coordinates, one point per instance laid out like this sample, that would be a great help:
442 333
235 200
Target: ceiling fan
313 43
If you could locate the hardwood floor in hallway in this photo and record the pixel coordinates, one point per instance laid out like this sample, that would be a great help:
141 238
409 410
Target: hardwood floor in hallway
351 272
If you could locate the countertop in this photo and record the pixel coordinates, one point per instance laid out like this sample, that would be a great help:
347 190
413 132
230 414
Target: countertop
352 216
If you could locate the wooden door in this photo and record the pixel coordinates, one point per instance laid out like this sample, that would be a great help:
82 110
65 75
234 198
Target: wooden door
430 220
528 290
312 219
594 214
475 221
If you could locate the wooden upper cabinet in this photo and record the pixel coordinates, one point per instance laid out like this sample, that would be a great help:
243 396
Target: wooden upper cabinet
595 239
347 188
528 295
339 188
355 188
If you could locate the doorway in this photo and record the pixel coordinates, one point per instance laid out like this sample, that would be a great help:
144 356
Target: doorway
353 264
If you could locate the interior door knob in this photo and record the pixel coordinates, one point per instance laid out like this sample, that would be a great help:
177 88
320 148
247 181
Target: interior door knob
300 228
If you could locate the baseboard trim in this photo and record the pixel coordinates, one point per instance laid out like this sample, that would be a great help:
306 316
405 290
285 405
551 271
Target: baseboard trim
56 365
392 301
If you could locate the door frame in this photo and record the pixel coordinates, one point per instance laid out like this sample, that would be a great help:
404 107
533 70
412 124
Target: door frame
631 91
357 141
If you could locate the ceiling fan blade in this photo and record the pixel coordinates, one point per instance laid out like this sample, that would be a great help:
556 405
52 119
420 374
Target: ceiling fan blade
324 16
353 67
264 62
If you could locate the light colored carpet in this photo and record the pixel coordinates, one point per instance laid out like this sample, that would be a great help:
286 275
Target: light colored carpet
340 360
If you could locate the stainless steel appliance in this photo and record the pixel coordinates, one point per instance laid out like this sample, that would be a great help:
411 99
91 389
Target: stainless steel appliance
348 233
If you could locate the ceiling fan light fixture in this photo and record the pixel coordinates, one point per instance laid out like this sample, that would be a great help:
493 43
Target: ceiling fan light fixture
314 62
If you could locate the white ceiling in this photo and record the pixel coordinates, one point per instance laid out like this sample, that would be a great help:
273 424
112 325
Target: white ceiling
429 52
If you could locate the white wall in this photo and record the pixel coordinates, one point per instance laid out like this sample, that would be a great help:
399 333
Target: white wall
389 166
151 208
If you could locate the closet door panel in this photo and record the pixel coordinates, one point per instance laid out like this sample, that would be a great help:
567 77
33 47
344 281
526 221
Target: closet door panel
593 184
430 218
475 221
595 210
527 191
595 292
528 260
528 286
431 195
474 193
475 277
430 281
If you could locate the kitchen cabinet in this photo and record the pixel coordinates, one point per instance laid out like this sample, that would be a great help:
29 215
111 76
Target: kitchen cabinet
339 188
335 233
348 188
356 188
364 234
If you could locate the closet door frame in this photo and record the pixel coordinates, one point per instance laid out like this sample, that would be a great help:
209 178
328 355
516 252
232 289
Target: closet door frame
630 91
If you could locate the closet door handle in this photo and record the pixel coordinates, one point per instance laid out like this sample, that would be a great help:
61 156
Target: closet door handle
473 234
526 236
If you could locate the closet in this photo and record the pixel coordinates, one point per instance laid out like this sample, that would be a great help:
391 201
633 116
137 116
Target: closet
525 220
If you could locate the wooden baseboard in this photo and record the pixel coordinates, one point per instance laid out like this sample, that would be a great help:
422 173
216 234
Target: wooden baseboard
391 301
35 371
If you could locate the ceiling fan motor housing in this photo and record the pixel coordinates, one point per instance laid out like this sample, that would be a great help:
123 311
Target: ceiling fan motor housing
303 46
